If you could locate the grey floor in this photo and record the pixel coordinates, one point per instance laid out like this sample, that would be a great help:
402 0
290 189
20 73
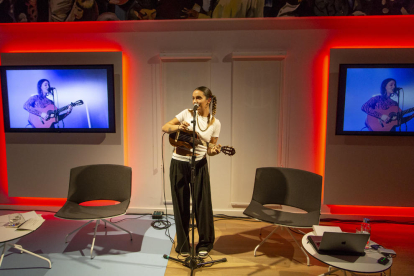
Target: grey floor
114 252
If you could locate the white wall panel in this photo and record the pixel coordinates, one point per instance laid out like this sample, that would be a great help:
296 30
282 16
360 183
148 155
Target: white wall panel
180 76
256 110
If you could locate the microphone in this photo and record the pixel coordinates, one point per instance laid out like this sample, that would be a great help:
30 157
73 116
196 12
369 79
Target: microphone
50 89
195 107
396 91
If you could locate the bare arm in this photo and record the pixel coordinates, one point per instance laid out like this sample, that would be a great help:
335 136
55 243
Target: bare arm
216 149
174 125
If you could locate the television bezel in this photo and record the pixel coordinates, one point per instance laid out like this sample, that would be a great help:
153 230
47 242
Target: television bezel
110 92
340 109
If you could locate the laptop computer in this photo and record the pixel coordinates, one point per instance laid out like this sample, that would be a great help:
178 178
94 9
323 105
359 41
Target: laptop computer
334 243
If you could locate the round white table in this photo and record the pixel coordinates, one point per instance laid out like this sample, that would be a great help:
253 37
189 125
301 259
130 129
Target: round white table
9 234
359 264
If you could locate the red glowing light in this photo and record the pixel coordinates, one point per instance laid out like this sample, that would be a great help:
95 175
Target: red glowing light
36 44
371 39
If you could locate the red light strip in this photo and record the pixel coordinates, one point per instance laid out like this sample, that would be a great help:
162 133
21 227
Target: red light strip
372 210
33 46
368 210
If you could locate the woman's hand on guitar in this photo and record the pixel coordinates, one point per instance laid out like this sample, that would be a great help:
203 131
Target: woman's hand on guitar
385 118
216 149
183 126
70 109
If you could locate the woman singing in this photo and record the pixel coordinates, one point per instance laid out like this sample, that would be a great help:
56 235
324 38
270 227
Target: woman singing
208 129
39 104
383 112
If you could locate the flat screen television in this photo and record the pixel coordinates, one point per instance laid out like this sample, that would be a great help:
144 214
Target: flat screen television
58 98
375 99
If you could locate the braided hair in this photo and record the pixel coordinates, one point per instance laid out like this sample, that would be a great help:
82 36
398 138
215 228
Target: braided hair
209 95
214 107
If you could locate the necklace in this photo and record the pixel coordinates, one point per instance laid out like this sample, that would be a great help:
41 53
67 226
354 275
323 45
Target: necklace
208 124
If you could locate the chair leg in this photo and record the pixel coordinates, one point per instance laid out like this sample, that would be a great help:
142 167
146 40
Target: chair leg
303 250
329 271
265 239
117 226
2 254
33 254
261 229
77 229
19 247
94 236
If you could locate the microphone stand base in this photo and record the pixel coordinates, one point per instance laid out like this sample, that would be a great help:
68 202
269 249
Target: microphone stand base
194 262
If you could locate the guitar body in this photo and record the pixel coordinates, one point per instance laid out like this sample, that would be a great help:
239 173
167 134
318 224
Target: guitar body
185 139
50 110
38 122
375 124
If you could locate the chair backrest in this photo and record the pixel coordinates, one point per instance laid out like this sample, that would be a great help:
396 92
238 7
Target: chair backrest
100 182
285 186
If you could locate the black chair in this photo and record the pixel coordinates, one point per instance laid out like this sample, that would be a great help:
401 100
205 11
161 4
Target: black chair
289 187
97 182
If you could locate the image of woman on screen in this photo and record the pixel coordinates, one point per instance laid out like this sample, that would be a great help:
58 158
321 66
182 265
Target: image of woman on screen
42 111
208 129
383 113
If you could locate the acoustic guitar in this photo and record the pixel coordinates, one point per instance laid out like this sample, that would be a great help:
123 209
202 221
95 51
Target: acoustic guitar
51 111
185 139
395 114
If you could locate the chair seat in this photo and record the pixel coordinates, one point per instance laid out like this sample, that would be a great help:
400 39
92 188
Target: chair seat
258 211
72 210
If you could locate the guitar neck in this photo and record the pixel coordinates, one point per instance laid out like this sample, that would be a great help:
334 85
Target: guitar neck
206 144
63 108
407 111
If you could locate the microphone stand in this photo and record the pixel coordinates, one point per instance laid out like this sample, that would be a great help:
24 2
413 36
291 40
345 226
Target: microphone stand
400 114
193 262
55 110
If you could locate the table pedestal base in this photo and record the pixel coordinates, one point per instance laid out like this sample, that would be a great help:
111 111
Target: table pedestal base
19 247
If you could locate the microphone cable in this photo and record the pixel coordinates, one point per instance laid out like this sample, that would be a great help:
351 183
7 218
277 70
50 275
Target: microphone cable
163 224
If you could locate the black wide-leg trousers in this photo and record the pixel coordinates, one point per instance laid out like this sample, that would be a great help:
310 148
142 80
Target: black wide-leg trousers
180 177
